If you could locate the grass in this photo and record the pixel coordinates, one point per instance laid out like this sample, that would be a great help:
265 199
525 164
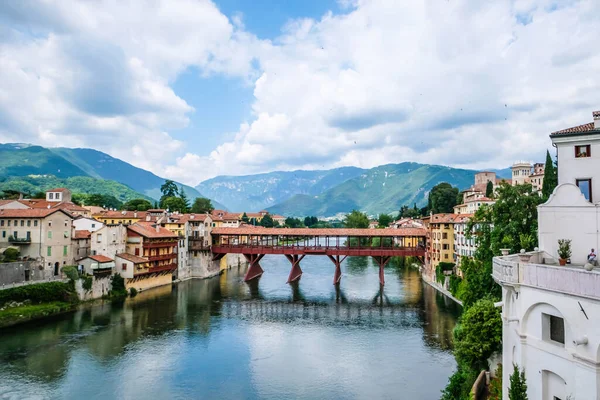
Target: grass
16 315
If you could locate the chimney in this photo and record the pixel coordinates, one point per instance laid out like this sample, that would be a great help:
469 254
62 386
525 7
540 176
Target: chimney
135 214
157 227
596 115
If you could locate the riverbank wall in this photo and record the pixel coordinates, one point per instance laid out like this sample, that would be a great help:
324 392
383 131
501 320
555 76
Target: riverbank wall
433 283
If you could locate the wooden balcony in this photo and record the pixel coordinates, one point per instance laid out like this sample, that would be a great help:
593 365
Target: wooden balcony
198 244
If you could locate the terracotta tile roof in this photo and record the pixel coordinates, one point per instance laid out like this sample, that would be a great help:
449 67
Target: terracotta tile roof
479 199
443 218
58 190
231 217
156 210
276 216
122 214
193 217
130 257
148 230
101 258
82 234
247 230
576 129
41 203
2 202
463 218
30 212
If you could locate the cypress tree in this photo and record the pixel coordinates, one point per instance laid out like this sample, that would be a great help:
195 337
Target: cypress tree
489 190
518 385
550 177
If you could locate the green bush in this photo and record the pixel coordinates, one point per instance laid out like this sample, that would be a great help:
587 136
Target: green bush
495 388
11 254
71 272
40 293
455 282
118 290
86 283
133 292
518 385
459 385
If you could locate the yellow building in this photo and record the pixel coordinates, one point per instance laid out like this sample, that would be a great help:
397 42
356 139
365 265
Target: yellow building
110 217
442 239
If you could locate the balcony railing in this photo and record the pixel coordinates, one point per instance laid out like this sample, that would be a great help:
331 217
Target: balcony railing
18 240
570 279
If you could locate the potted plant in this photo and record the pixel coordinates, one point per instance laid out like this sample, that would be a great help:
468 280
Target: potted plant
564 251
506 245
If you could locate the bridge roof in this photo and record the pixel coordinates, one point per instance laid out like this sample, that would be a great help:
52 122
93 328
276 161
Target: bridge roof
260 231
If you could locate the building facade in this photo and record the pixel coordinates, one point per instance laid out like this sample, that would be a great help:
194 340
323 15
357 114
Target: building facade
548 310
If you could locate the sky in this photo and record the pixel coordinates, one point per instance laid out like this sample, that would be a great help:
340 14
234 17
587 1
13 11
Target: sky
192 89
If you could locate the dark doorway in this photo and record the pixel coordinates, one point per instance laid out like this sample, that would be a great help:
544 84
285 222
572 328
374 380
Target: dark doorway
56 265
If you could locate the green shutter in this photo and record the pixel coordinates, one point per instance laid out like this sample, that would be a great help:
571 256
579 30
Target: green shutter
49 251
64 250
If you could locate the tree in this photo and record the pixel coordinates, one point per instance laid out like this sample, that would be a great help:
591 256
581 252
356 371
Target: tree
101 200
184 198
293 222
169 189
253 221
267 221
311 221
443 198
518 385
137 205
245 218
550 177
202 205
174 204
356 219
384 220
11 254
478 335
489 190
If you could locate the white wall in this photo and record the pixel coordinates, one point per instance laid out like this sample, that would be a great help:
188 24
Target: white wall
109 240
87 224
548 364
571 168
568 215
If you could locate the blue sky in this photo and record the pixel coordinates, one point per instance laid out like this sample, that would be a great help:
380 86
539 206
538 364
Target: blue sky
191 89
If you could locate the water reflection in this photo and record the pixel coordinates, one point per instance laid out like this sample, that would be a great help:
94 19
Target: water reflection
196 336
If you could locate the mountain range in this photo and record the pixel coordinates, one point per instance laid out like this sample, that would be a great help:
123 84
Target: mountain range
322 193
29 168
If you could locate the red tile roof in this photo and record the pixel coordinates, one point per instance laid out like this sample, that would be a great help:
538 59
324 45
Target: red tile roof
101 258
82 234
30 212
130 257
193 217
58 190
149 230
443 218
247 230
576 129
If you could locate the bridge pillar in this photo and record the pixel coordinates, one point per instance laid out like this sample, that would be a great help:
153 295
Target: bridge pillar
337 276
381 261
254 269
296 271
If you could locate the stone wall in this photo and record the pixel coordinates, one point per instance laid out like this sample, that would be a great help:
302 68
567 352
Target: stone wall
148 281
23 271
101 285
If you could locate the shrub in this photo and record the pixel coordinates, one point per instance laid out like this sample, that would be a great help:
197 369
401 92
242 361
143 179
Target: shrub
133 292
71 272
478 335
40 293
455 282
118 290
459 385
496 385
11 254
86 283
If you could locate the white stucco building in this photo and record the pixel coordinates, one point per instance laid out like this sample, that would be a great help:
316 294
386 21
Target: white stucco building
551 324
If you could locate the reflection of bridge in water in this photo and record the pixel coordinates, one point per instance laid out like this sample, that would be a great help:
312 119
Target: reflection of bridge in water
337 244
323 313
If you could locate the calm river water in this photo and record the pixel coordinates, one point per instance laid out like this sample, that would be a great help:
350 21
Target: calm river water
224 339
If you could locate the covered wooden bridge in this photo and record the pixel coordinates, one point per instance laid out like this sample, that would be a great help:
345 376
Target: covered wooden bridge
337 244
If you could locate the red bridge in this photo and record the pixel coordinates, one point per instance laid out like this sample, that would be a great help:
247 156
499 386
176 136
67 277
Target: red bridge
337 244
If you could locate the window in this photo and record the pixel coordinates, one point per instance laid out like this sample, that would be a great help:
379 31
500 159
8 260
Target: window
557 329
124 267
445 246
16 223
22 222
50 196
49 234
585 185
66 234
112 221
28 222
583 151
35 223
49 223
3 234
49 253
446 226
99 238
553 329
65 251
444 235
137 251
93 225
8 223
446 256
66 222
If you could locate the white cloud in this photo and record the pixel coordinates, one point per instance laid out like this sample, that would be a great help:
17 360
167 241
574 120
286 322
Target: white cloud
471 84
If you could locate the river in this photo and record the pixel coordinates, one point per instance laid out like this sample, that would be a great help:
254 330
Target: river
221 338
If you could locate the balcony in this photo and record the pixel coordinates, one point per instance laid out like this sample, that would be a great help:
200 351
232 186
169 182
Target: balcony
18 240
198 244
162 257
538 272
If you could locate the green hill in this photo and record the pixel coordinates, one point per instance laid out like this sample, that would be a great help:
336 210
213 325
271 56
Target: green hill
77 184
382 189
53 167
